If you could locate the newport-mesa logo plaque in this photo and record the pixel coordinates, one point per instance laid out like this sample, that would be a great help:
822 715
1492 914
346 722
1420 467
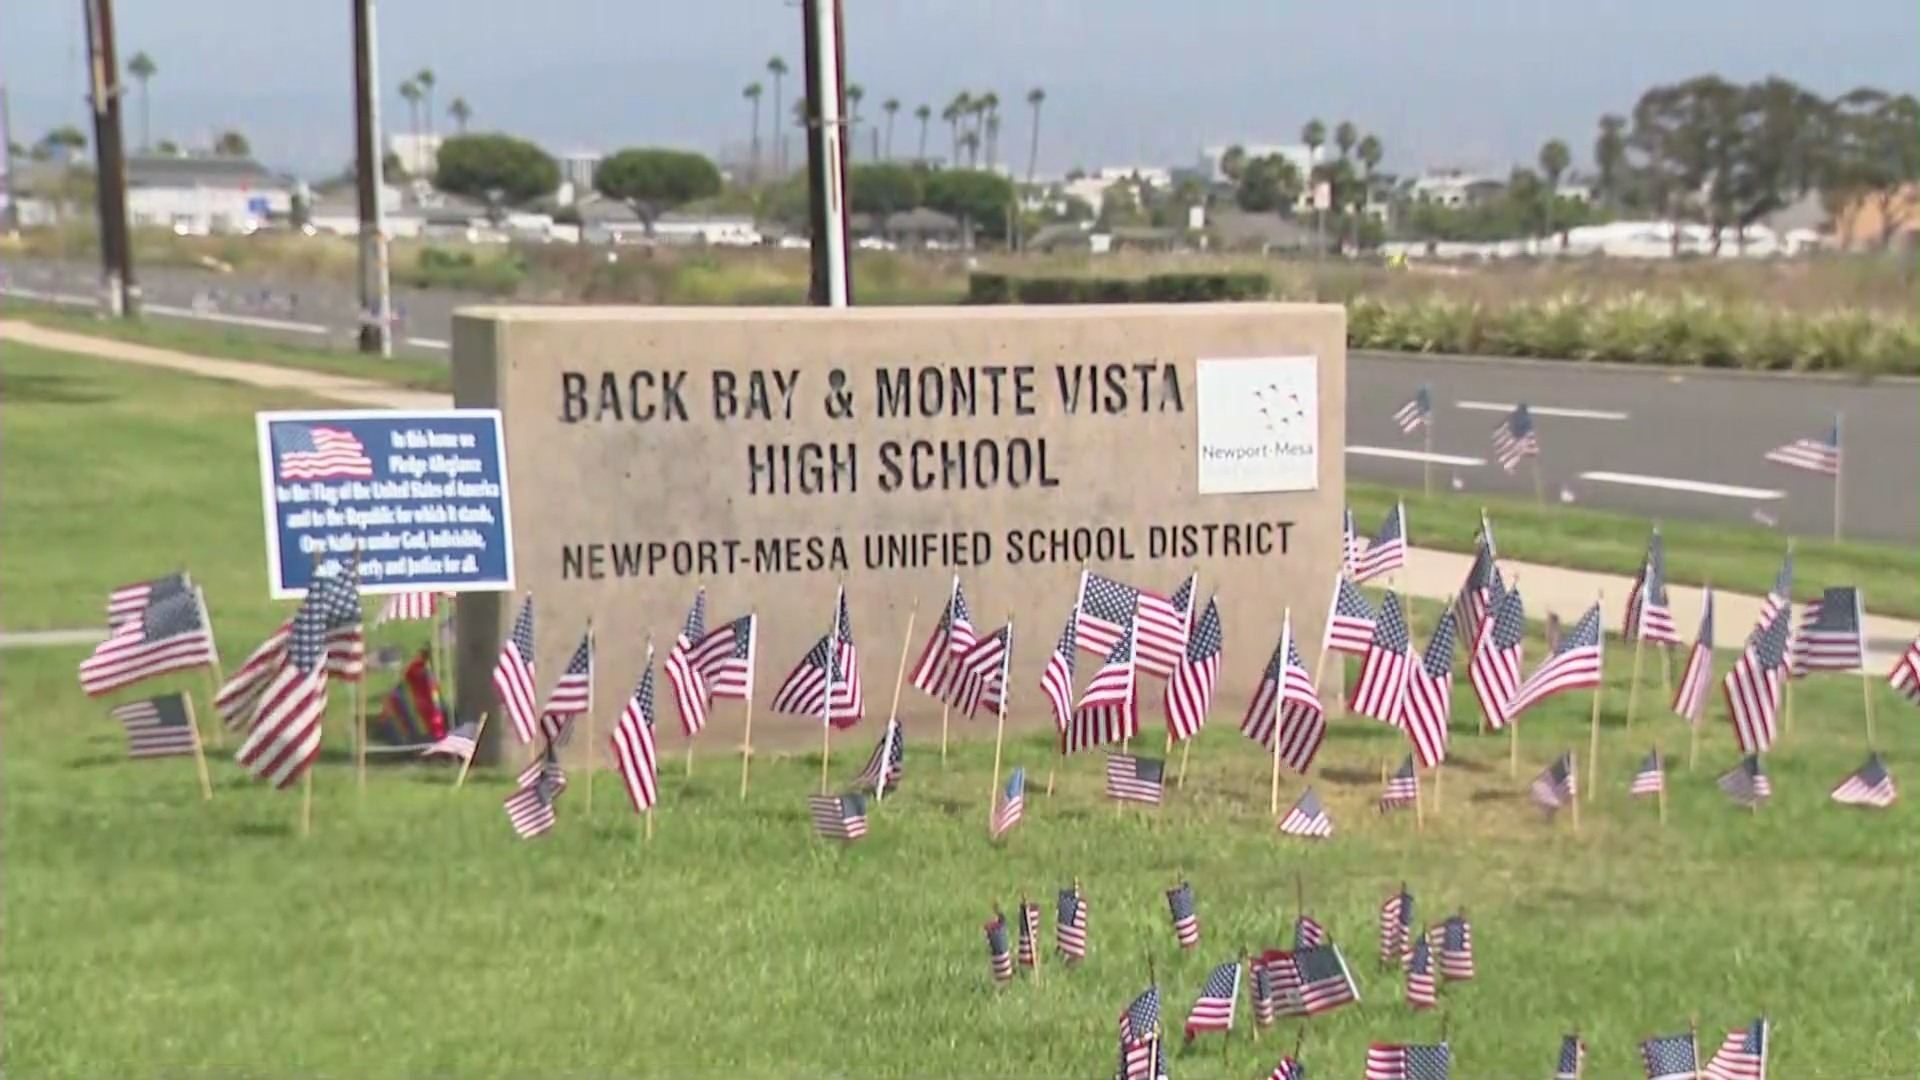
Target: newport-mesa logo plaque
1259 423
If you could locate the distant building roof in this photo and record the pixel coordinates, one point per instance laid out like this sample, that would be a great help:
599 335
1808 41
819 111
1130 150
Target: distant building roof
1241 230
158 170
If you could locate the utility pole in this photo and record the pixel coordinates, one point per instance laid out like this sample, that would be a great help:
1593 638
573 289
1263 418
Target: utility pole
376 282
120 294
832 284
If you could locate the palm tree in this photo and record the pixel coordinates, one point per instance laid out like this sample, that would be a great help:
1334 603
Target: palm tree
752 93
142 68
1554 160
855 95
891 106
777 68
989 105
970 142
410 92
1369 151
923 113
1610 156
461 112
993 136
1036 97
957 110
425 80
1314 134
232 144
1344 137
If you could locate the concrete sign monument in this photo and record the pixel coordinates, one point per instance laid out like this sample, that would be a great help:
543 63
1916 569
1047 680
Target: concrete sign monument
770 454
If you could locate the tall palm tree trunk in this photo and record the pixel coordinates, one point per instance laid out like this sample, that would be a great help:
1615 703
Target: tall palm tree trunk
1033 147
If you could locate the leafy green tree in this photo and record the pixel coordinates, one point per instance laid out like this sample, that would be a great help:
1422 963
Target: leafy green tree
884 189
1268 185
64 142
143 69
1233 163
653 181
1345 136
232 144
411 93
477 166
1314 134
459 112
972 195
1872 159
1610 159
1554 160
167 147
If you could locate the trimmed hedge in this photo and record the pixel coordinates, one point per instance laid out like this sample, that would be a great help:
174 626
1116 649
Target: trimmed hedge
1683 331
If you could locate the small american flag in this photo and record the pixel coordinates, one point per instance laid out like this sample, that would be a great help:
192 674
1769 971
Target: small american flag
125 603
1651 777
1421 990
1213 1010
888 762
937 671
1494 670
724 659
1815 454
1477 592
1905 676
1350 544
530 807
1070 924
1263 994
1161 628
1013 803
982 673
849 698
1396 927
408 607
1135 779
1388 551
1781 595
1056 680
1455 946
1104 612
1287 703
804 693
1382 685
1141 1056
1288 1069
319 453
999 955
291 692
633 747
1575 664
1350 620
1830 637
1190 688
1690 696
1417 413
1648 615
1573 1058
1742 1054
1409 1062
1315 981
458 744
169 635
1515 439
1029 950
1747 783
1426 710
838 817
573 694
1186 918
1556 785
1109 710
1307 818
1671 1057
1869 785
1403 788
1308 932
1754 684
159 726
513 676
689 682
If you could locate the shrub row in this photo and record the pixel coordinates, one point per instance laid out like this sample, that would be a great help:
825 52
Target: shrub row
1683 331
1155 289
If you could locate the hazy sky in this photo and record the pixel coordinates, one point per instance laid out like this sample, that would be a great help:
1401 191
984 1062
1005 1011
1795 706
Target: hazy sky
1477 83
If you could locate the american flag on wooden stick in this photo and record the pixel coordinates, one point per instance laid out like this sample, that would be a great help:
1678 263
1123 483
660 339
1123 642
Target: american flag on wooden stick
1028 952
1454 944
1162 626
169 635
1308 932
1831 636
1286 705
1648 615
1013 803
1350 620
1422 991
573 694
1070 924
1104 612
1136 779
1869 785
838 817
1690 694
1426 710
1396 927
724 659
1742 1054
1213 1010
530 807
1109 710
1307 818
1350 545
1141 1055
513 676
1573 1058
826 682
1515 439
1288 1069
408 607
1382 685
1754 685
1393 1061
292 695
1905 676
1315 981
1819 454
1575 664
1494 670
1186 918
1781 595
125 603
1556 785
1056 679
458 743
999 955
888 762
1747 783
1650 778
1189 693
158 726
634 757
684 671
1417 412
1403 788
1262 992
1388 550
1478 591
981 673
1671 1057
937 670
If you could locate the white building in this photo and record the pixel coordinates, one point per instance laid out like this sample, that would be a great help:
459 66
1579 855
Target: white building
419 154
199 196
578 168
1455 188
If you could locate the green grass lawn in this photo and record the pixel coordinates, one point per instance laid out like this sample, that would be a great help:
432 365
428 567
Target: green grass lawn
1732 557
150 933
234 343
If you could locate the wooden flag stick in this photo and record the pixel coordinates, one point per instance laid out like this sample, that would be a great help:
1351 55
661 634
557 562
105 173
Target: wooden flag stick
746 744
1693 737
689 755
1439 771
1273 789
592 738
1419 812
1866 702
216 677
999 740
1593 736
478 730
1633 680
649 824
1186 748
199 751
1693 1034
946 710
900 675
306 803
1513 747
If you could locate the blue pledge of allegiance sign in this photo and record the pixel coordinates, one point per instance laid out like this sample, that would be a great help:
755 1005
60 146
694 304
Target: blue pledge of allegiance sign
420 497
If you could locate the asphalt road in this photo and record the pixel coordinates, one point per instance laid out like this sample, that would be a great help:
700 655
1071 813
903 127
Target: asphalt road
1659 442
